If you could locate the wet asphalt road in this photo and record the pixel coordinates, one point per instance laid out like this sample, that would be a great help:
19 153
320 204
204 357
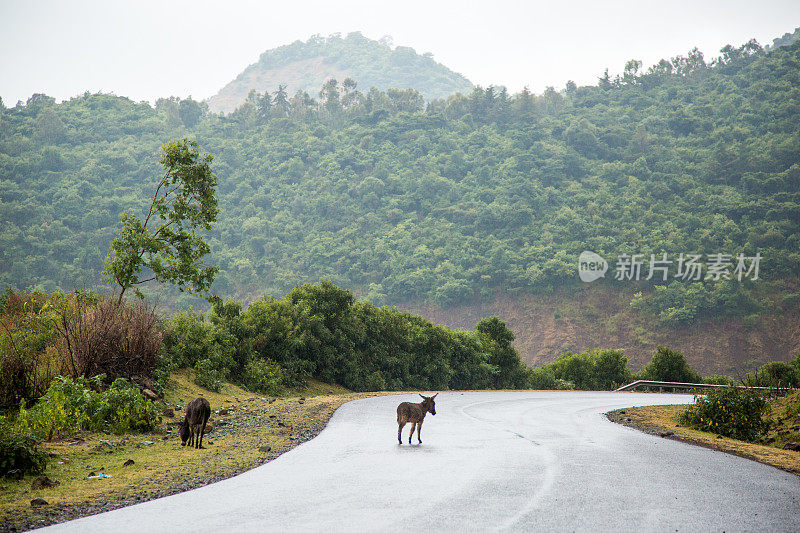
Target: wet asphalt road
513 461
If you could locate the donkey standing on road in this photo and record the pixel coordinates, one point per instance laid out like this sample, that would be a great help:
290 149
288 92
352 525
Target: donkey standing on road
414 413
194 423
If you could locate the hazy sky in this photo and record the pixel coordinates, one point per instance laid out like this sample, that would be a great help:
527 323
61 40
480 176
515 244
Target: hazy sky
148 49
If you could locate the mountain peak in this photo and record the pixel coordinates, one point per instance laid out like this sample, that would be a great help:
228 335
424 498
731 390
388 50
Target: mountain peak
307 65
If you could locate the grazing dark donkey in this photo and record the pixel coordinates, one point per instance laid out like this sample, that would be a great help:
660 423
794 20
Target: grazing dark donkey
193 426
414 413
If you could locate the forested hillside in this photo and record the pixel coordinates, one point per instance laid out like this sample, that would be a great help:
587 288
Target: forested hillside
308 65
442 203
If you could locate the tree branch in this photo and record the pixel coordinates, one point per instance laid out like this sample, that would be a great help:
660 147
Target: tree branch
155 197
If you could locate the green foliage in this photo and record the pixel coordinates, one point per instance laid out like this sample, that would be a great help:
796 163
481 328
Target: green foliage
577 369
669 365
265 376
189 339
544 378
209 375
610 369
172 251
19 450
682 303
792 408
719 380
495 339
593 370
70 406
322 331
774 374
123 409
192 342
190 112
27 334
731 412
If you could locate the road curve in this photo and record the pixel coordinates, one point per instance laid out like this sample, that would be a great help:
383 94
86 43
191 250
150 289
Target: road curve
489 461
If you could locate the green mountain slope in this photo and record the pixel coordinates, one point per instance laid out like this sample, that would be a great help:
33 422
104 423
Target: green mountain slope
306 65
444 205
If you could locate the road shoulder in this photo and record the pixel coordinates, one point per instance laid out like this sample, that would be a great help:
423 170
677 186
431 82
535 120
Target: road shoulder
660 420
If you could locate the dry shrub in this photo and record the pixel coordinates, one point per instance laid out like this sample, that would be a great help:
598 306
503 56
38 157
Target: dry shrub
118 340
18 373
75 334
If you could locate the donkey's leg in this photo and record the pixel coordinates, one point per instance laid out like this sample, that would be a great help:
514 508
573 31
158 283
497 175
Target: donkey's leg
202 432
413 426
399 431
419 432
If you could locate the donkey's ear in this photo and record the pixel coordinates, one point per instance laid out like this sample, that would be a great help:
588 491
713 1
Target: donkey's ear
423 397
434 396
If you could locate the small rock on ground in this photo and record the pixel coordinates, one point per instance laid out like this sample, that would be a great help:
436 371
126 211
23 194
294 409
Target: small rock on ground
43 482
150 394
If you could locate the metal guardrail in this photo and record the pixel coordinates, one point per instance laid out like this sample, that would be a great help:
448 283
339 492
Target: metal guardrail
674 385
